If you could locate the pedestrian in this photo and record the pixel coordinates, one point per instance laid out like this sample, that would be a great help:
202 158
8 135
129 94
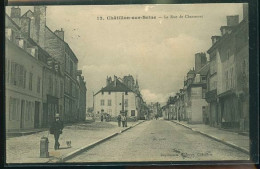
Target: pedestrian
123 120
101 117
56 129
119 120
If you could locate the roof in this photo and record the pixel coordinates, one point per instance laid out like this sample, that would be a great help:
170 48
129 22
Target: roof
204 70
11 20
191 72
26 13
111 87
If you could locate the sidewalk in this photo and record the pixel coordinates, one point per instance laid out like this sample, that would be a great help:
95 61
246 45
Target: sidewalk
26 149
233 139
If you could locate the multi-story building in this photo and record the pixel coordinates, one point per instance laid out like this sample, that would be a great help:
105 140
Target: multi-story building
28 84
23 80
228 93
60 88
195 88
115 98
33 25
81 97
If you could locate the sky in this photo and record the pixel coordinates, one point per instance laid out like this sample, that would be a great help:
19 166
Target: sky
158 52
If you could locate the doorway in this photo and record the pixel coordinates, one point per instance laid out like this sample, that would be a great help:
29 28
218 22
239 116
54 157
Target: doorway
22 114
36 114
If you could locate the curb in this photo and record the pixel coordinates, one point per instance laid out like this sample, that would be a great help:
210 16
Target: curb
89 146
217 139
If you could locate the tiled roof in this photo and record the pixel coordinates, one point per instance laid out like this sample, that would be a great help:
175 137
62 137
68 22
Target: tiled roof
204 70
119 87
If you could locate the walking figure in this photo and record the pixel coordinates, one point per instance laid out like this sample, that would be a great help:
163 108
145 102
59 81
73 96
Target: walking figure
119 120
56 129
102 118
123 121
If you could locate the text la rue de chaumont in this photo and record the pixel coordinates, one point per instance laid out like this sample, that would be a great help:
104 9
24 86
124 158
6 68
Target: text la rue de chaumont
186 16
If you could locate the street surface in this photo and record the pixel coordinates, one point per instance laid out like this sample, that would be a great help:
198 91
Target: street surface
160 140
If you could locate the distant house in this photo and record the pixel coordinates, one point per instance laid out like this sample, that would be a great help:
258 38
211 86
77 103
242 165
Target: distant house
195 88
115 98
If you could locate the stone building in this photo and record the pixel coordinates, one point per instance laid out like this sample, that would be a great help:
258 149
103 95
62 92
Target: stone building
61 87
81 116
27 85
195 87
33 25
228 93
114 98
23 81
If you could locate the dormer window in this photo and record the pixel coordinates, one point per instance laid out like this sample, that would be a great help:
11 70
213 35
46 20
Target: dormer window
8 33
21 43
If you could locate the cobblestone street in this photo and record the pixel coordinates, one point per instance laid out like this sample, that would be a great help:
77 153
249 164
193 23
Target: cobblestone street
159 140
26 149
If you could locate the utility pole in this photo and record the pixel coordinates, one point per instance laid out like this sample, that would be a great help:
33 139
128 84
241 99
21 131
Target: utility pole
123 103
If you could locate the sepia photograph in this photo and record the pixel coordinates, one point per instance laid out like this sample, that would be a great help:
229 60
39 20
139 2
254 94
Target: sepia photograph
127 83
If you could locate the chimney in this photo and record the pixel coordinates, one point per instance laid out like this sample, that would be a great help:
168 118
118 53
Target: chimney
115 79
200 61
245 11
15 12
232 20
60 33
214 39
225 29
40 23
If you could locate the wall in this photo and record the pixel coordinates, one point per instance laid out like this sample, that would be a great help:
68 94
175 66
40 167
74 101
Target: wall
31 65
116 98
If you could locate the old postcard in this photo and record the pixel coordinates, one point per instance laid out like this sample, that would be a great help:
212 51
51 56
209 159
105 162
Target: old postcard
127 83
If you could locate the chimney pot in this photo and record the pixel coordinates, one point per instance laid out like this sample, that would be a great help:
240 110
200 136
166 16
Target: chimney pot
232 20
15 12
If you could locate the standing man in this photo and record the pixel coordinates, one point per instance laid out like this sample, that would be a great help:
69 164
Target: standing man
56 129
119 120
123 120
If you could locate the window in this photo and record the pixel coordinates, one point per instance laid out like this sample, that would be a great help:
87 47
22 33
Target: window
21 43
226 79
61 89
203 78
50 85
231 78
126 93
67 84
109 102
30 81
109 93
24 79
7 71
8 33
71 68
102 102
13 108
56 88
102 93
126 102
39 85
132 112
228 54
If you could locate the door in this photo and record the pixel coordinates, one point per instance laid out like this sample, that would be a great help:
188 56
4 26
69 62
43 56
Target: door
22 114
36 114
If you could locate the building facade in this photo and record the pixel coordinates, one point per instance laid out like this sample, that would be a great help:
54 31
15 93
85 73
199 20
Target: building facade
228 94
47 74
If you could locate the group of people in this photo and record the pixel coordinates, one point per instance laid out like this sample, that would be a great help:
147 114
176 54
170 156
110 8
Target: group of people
105 116
123 119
